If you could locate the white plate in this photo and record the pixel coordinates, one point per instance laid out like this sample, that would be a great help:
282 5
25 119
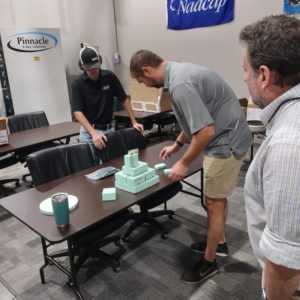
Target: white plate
46 205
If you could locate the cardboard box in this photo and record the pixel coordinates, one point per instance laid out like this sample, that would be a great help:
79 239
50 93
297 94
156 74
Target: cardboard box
3 131
244 103
253 112
149 99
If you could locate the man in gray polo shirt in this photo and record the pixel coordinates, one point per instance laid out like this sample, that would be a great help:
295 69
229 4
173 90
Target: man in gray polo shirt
212 122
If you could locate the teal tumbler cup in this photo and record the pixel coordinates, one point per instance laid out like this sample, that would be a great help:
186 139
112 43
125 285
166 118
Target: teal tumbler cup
60 207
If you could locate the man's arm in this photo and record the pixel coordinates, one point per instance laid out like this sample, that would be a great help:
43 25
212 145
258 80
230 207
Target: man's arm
129 111
98 139
182 138
166 152
279 243
199 142
280 282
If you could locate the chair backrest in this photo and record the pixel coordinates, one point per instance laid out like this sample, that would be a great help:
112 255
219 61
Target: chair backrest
166 118
243 102
133 139
7 160
26 121
52 163
120 141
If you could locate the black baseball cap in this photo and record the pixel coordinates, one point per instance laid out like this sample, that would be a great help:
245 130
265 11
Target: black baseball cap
89 58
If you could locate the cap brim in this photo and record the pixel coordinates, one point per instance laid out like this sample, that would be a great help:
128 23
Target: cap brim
88 67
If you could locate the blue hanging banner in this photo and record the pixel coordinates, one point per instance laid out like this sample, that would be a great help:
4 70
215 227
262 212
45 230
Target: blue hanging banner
292 6
187 14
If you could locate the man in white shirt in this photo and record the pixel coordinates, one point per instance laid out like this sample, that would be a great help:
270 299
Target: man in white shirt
271 62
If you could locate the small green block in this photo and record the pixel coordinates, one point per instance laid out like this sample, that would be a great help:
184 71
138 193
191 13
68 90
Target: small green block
128 161
109 194
137 188
150 173
160 166
121 177
135 159
131 160
141 168
135 180
167 171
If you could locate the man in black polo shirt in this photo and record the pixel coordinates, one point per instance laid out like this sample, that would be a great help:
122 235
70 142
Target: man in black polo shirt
93 93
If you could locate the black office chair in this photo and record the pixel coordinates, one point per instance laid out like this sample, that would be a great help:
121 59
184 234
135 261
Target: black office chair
53 163
118 144
244 104
124 122
256 127
7 160
26 121
161 121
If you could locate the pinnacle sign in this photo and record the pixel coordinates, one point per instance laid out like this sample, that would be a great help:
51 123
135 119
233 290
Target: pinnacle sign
187 14
31 42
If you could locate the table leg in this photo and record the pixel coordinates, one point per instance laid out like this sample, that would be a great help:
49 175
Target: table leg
42 276
71 274
201 195
73 284
202 188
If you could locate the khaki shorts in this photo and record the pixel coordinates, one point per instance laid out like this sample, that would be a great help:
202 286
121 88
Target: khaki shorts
220 175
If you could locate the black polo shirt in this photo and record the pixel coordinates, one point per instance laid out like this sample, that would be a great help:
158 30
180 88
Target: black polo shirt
95 98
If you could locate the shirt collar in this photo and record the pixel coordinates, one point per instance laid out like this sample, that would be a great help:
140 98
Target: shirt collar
269 110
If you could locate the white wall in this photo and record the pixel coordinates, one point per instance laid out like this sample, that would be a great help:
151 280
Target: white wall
141 24
79 21
37 79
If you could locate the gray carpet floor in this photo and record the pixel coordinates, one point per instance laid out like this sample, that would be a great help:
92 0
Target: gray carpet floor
150 266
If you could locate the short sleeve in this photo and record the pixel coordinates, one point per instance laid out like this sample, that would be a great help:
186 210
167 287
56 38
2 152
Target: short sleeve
76 96
191 105
118 90
280 241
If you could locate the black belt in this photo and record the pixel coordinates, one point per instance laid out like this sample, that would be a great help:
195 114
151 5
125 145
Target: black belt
102 126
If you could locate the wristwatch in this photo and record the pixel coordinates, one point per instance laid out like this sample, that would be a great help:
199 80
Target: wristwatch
180 144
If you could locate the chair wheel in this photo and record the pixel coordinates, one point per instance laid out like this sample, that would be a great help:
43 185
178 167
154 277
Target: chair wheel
164 236
18 183
125 239
116 269
118 243
70 283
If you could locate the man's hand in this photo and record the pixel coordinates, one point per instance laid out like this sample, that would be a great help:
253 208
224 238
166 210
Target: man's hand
179 171
139 127
99 140
166 152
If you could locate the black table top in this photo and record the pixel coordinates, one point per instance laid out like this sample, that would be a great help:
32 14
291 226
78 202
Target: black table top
27 138
91 210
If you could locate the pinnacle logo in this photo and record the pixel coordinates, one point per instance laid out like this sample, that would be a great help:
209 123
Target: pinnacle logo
31 42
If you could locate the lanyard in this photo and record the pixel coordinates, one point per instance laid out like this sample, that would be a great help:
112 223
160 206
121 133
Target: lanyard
285 101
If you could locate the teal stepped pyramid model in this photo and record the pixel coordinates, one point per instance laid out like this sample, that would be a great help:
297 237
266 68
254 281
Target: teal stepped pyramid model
135 176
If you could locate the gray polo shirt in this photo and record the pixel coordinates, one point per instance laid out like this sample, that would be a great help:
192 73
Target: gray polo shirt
200 97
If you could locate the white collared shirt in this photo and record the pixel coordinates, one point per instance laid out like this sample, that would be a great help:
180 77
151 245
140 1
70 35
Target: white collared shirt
272 187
